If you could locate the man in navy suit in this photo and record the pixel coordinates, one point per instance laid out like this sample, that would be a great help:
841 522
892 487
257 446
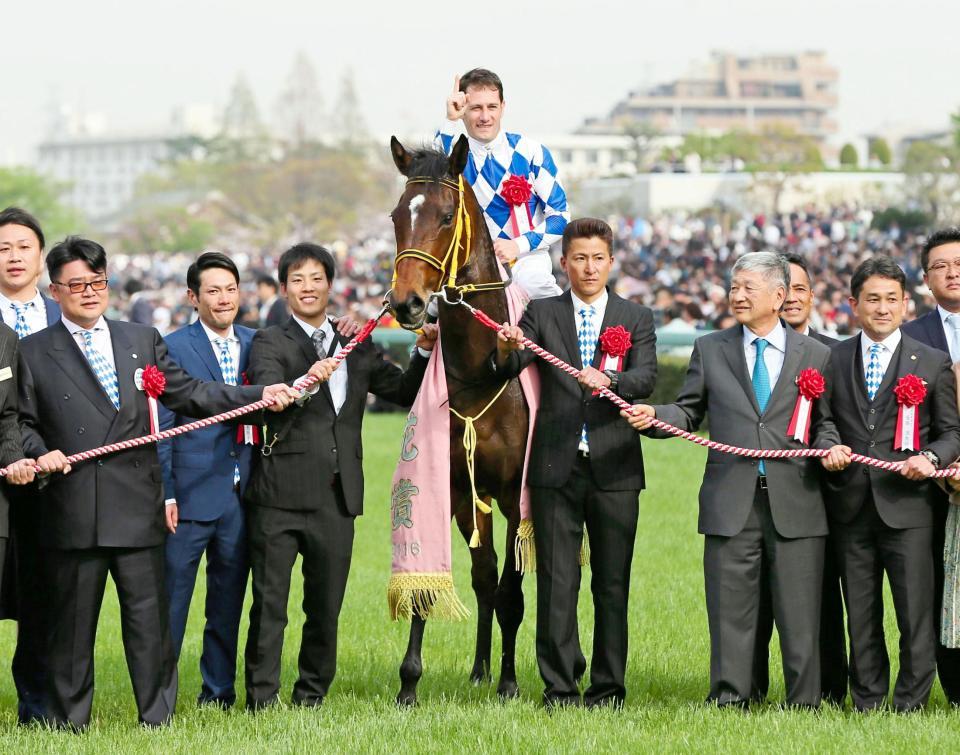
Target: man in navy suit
205 473
940 260
26 311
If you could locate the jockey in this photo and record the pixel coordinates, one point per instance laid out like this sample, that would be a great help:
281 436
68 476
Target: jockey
514 179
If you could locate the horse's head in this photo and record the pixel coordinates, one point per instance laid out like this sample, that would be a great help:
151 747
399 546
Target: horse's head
431 225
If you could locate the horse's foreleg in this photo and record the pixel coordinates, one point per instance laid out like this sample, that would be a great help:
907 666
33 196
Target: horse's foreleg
484 578
509 607
411 669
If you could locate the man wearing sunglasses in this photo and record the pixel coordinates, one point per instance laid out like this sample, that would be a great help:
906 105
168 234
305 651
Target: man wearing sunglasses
81 384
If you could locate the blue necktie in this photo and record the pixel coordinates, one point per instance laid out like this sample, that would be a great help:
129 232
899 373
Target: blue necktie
229 369
761 383
874 374
20 324
105 373
587 340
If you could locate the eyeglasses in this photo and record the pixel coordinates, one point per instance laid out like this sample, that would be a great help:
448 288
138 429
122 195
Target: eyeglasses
78 287
943 265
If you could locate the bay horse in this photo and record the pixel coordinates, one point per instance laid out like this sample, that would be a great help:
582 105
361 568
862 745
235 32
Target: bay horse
425 221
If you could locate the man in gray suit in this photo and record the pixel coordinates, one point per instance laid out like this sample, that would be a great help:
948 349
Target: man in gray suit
761 519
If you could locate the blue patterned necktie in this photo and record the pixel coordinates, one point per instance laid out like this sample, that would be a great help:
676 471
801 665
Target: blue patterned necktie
229 370
761 384
587 340
874 374
20 324
106 374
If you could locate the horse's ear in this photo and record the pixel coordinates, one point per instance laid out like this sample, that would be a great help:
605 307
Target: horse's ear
458 155
401 157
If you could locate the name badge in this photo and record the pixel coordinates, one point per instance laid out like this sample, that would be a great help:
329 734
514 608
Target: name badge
5 374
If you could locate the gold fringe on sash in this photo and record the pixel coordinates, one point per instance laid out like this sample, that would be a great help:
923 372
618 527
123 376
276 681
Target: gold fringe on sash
525 548
432 596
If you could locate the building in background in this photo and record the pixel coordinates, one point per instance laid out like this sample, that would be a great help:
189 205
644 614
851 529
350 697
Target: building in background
798 90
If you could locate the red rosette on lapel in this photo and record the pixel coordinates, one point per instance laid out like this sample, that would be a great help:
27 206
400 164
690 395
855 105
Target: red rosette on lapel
247 434
810 387
516 191
152 382
615 342
910 391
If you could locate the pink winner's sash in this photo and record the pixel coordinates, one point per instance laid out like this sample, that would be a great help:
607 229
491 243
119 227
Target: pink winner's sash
422 576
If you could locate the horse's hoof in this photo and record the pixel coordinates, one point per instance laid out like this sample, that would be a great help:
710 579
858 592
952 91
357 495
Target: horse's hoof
508 690
406 699
479 677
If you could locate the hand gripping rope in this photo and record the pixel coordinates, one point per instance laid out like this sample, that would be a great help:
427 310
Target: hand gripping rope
300 384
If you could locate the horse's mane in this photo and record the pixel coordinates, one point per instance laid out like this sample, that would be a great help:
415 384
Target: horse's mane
429 162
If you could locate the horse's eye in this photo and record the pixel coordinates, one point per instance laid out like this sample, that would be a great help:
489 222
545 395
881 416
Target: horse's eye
448 218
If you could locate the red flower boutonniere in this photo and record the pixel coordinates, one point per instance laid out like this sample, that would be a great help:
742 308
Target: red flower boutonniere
910 391
615 342
152 382
516 191
810 387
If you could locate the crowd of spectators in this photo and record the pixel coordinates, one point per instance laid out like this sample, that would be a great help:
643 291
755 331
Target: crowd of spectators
677 264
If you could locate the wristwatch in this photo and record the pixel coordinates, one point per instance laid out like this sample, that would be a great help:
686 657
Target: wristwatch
931 457
614 379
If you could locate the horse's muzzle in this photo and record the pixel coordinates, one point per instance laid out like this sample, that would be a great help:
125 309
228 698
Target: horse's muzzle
411 312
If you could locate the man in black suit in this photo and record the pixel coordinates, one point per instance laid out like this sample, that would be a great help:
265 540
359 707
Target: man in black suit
763 522
586 466
940 260
273 309
307 487
26 310
833 643
883 521
80 388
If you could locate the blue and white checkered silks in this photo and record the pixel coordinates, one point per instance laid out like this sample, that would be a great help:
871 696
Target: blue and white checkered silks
490 165
587 341
20 324
106 374
761 384
229 370
874 374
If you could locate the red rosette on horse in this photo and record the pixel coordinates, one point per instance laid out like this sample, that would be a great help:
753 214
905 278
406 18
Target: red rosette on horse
152 382
516 191
810 387
910 391
615 342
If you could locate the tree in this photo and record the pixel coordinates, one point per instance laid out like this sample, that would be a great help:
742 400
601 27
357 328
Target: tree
170 228
848 156
21 187
300 118
880 150
933 179
243 135
349 128
641 135
778 154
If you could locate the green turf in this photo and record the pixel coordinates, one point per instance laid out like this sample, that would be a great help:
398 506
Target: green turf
667 674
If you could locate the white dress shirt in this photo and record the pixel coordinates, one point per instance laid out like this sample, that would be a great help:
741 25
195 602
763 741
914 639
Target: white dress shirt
889 345
599 310
338 380
35 312
233 346
773 355
101 338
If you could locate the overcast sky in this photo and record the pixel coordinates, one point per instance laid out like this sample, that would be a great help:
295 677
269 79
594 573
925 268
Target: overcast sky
561 60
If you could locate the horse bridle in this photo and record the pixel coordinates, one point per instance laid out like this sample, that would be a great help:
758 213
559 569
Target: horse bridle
449 266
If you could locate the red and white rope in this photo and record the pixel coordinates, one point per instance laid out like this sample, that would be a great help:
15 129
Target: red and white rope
777 453
300 384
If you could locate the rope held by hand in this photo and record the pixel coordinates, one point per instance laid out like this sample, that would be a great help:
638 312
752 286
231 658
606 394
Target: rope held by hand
754 453
300 384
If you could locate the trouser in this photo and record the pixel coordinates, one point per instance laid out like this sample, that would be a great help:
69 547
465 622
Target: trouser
733 574
559 516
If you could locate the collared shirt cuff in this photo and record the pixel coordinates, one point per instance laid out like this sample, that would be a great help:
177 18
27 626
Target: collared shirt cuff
523 244
170 502
424 353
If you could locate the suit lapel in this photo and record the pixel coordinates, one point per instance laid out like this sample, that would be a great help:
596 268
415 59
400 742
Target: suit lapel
732 351
794 350
934 328
204 349
52 309
612 316
903 362
65 353
299 336
127 361
567 325
246 338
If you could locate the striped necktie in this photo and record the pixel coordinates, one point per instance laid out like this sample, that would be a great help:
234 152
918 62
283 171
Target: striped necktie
229 370
874 374
105 373
587 340
20 323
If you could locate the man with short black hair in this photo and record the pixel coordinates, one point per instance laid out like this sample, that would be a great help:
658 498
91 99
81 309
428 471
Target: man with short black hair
26 310
514 179
586 466
82 385
883 521
205 473
273 309
307 487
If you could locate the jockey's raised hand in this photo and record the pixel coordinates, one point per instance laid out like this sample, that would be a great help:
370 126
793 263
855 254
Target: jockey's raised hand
456 102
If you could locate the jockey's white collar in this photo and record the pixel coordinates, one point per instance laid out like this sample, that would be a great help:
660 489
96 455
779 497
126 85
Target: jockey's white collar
480 149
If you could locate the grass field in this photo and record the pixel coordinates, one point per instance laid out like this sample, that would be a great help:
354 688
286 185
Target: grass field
667 674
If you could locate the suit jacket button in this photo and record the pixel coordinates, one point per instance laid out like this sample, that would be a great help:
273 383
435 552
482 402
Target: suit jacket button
873 411
873 443
80 431
871 427
333 450
233 454
66 396
99 462
136 464
761 425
